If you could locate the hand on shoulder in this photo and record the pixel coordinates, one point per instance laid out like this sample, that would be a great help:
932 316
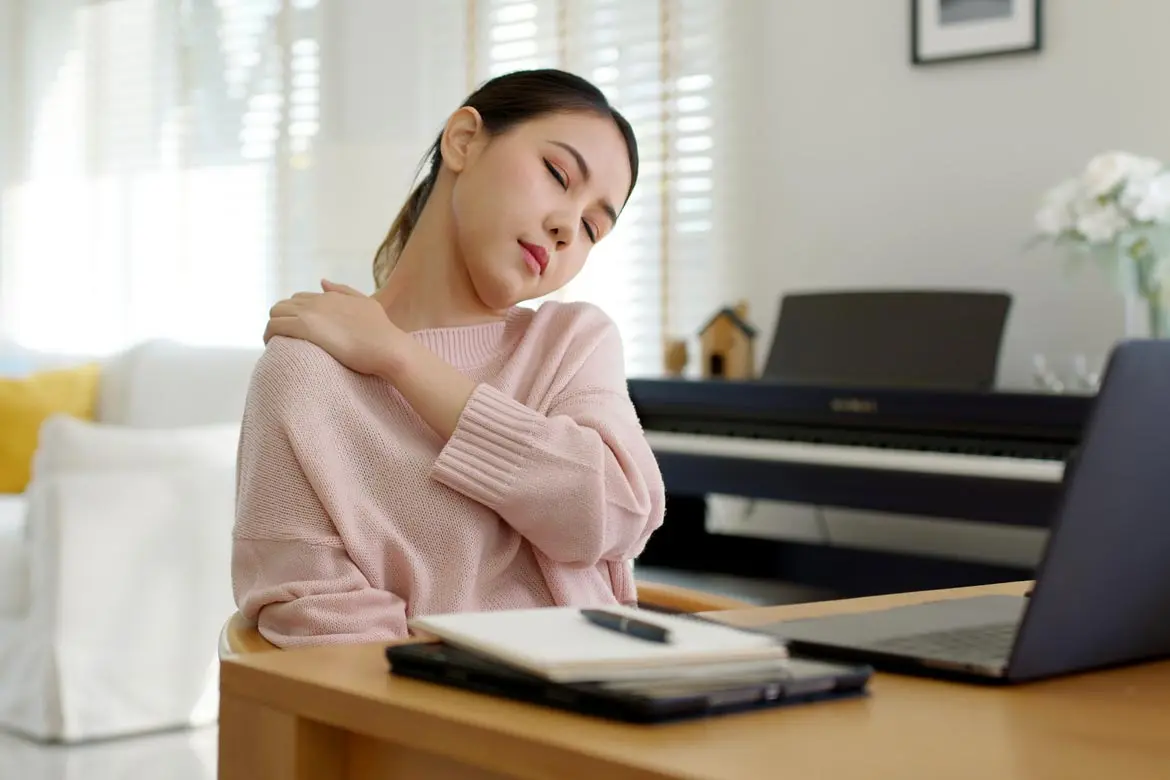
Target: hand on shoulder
351 326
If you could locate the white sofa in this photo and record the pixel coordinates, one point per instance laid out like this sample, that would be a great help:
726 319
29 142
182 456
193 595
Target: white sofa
115 563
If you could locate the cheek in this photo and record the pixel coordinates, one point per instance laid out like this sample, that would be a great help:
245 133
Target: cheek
526 193
502 199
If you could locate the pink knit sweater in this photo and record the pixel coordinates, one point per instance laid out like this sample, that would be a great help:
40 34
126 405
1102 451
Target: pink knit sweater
353 515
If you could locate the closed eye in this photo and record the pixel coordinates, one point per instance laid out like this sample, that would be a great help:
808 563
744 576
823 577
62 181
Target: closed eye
560 177
590 231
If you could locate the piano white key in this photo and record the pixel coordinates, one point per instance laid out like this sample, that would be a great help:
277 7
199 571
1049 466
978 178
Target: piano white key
986 466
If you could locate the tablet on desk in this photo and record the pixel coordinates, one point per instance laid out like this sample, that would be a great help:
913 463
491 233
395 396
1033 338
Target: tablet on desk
634 701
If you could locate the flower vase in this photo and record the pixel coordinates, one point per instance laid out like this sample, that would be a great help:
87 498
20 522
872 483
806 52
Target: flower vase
1145 317
1145 305
1117 213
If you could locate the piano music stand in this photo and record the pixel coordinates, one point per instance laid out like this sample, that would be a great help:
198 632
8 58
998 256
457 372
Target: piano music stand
938 339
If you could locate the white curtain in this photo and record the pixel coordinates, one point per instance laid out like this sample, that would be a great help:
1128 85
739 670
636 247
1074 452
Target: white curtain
155 157
658 274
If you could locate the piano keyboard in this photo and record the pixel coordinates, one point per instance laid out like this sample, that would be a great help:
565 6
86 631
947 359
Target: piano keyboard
921 462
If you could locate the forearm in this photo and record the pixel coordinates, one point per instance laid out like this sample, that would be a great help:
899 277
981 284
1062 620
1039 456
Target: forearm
436 391
578 481
581 484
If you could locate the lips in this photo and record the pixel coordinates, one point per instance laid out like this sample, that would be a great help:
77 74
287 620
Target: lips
536 256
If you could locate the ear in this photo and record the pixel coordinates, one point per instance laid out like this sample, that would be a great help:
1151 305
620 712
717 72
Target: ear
461 138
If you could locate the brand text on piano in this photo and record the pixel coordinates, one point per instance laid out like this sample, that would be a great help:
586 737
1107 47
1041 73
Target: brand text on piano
856 405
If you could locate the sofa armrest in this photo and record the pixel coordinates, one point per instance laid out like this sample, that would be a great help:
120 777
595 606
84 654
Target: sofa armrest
131 580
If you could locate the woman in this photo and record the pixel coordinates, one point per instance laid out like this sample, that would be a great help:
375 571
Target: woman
434 447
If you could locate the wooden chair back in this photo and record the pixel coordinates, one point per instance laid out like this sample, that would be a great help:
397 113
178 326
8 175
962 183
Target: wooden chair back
239 636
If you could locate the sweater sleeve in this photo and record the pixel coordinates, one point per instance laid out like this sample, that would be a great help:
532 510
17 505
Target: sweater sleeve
291 572
580 482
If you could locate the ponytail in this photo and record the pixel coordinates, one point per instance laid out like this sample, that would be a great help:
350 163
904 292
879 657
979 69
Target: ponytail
391 247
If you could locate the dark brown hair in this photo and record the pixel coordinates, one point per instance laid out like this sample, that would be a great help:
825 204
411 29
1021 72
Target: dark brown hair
502 103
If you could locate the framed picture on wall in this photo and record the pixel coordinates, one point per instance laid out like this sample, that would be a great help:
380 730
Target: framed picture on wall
945 30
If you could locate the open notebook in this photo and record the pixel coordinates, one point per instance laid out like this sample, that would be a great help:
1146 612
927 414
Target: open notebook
559 644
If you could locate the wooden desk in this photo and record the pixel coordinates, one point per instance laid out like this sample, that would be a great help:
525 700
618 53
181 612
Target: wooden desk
332 713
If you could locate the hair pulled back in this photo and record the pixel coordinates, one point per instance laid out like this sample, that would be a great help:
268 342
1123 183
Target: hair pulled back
503 103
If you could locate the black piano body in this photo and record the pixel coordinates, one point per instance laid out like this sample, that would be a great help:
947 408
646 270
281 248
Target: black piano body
994 457
990 456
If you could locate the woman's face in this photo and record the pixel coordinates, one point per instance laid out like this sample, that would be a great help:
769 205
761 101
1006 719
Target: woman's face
529 204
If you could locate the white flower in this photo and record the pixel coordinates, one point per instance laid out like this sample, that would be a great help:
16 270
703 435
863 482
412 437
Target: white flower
1144 168
1105 171
1137 184
1116 197
1100 224
1134 193
1154 205
1056 209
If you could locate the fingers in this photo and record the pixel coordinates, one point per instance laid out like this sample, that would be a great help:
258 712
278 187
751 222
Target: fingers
285 308
284 326
329 286
289 304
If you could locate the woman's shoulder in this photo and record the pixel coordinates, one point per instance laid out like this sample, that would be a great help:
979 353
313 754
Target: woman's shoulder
574 334
577 319
295 368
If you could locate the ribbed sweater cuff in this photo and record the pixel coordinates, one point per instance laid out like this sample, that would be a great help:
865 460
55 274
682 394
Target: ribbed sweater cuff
491 446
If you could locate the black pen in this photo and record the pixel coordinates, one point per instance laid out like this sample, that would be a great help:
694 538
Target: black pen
626 625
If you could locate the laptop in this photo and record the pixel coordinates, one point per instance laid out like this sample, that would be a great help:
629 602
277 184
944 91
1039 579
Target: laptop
1101 595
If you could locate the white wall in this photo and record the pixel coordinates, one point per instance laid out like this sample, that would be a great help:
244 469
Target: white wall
850 167
853 168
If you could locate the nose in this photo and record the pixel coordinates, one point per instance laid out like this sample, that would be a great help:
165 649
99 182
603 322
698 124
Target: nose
561 229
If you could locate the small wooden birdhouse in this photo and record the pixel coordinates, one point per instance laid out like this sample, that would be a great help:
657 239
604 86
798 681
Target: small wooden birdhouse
727 345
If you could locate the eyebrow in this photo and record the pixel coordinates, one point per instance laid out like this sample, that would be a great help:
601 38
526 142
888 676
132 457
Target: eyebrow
584 166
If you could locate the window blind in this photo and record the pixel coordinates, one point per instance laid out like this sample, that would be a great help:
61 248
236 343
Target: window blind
158 182
657 274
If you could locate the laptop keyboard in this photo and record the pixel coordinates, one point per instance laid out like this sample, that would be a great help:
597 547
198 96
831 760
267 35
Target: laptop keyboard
988 645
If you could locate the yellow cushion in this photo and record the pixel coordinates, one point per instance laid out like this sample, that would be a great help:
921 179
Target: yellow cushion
26 402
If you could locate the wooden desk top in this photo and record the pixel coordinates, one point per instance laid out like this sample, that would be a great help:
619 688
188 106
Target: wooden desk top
1116 721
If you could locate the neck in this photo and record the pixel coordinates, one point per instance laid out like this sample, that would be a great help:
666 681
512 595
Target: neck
429 286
